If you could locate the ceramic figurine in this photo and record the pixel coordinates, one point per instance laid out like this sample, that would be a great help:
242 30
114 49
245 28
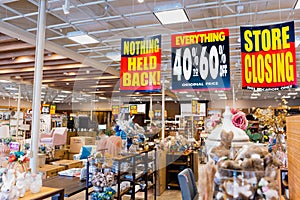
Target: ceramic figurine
28 181
21 183
8 189
36 184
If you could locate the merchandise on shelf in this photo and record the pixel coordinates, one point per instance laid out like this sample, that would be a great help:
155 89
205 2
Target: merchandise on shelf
134 172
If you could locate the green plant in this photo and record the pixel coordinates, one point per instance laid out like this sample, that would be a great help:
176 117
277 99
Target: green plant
8 140
254 137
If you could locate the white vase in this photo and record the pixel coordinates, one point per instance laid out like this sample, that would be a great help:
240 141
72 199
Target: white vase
240 137
36 184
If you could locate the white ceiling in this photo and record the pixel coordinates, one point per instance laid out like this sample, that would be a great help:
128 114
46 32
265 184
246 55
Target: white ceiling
110 20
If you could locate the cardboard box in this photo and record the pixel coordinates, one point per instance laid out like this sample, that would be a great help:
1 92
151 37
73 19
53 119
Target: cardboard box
77 142
87 133
71 156
50 170
69 135
68 164
61 154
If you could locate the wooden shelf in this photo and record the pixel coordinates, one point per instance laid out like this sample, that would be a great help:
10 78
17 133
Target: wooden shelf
173 184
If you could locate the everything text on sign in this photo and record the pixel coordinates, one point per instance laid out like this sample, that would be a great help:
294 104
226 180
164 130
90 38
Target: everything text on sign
200 60
140 64
268 57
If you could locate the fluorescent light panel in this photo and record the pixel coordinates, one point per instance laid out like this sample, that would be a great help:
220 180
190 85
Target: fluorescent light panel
297 5
292 93
115 56
81 37
172 16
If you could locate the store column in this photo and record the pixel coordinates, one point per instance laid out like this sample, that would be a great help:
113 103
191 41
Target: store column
38 76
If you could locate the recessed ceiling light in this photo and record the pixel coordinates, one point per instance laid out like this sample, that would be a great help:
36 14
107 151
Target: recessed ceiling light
11 88
171 14
115 56
66 92
101 86
62 96
81 37
5 81
255 94
297 5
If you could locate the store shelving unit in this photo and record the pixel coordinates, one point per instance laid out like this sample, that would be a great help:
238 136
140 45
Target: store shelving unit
140 160
135 176
176 162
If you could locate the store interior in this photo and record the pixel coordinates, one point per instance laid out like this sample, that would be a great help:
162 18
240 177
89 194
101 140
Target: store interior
66 114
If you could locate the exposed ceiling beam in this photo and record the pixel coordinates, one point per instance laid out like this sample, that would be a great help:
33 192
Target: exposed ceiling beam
18 33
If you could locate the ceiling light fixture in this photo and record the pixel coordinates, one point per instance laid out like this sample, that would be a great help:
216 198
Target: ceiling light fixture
171 14
5 81
115 56
66 92
297 5
81 37
255 94
101 86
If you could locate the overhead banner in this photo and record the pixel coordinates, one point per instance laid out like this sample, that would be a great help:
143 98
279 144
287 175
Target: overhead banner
268 57
200 60
140 64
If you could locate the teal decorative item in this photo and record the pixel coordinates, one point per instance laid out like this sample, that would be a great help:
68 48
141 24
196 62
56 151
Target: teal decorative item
85 152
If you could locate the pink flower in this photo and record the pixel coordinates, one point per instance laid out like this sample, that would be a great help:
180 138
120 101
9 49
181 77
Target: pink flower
234 111
239 120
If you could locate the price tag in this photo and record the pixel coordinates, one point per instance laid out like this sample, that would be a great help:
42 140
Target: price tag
201 60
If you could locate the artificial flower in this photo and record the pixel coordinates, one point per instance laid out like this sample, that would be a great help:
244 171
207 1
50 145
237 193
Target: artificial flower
239 120
18 156
12 158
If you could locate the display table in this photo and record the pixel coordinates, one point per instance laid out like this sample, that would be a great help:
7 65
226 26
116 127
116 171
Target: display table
45 193
68 164
72 185
50 170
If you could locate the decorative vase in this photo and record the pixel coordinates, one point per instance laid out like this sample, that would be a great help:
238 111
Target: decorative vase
240 137
36 184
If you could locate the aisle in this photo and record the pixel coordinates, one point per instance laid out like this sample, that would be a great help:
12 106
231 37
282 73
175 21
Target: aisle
167 194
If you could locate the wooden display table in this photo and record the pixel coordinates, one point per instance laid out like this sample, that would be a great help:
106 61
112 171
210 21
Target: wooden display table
68 164
72 185
50 170
45 193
